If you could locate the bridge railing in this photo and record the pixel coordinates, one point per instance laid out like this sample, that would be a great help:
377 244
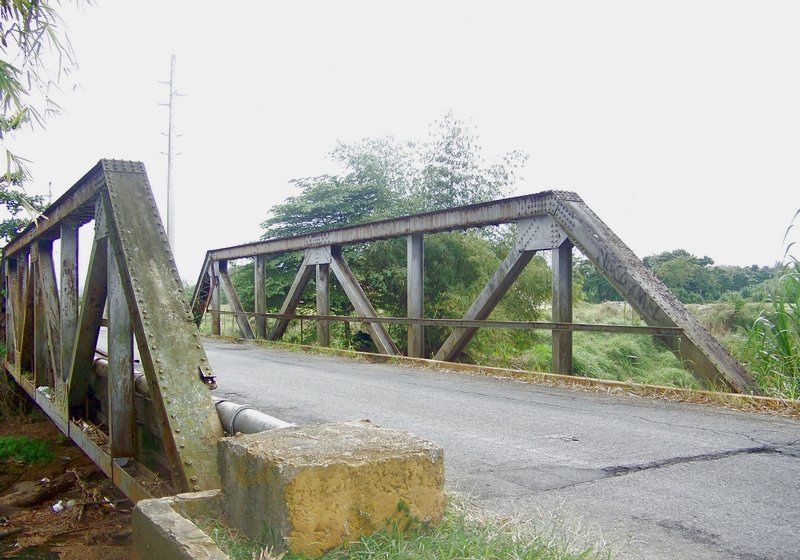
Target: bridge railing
553 221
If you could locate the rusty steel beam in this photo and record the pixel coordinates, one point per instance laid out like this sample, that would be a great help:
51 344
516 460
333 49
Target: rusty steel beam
363 307
9 270
40 350
25 339
476 215
700 352
478 324
131 264
497 286
213 299
174 362
95 291
69 293
77 204
292 300
415 293
259 295
48 291
323 303
121 414
233 300
562 307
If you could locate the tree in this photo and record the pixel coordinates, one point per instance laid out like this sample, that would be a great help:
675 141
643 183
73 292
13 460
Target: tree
31 45
386 177
595 287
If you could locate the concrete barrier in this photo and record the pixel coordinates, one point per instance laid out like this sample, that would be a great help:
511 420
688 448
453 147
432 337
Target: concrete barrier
307 489
164 528
312 488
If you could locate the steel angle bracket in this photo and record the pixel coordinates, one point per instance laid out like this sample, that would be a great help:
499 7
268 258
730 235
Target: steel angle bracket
173 359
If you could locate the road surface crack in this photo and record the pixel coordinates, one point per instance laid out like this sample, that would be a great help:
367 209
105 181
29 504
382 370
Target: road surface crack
620 470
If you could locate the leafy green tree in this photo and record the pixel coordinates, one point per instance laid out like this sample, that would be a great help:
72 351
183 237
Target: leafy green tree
385 177
455 172
595 288
35 55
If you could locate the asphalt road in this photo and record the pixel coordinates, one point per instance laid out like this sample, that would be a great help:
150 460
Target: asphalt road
654 479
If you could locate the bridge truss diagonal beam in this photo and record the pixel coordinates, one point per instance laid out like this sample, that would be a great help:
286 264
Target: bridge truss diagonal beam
131 267
497 286
233 300
293 296
355 293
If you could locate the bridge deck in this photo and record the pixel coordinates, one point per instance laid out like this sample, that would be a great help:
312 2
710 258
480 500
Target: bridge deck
691 481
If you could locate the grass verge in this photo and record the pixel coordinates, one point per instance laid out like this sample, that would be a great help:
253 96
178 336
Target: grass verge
459 536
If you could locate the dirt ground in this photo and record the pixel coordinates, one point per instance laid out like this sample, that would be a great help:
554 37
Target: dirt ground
95 525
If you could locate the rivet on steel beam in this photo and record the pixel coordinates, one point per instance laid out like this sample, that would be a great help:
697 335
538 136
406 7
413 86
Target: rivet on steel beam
196 488
193 478
177 430
187 463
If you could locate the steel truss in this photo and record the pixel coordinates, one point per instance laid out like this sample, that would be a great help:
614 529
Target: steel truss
554 221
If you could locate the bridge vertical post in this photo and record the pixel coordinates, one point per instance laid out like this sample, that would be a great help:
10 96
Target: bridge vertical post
562 307
69 294
120 364
415 291
323 304
10 273
40 348
26 299
260 296
213 272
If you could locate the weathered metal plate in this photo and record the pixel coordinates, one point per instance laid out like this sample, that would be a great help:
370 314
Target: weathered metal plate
318 255
169 344
539 233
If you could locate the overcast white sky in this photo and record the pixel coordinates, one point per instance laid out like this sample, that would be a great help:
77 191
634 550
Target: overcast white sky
677 122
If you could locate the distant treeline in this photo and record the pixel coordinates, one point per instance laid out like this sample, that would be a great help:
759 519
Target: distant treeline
692 279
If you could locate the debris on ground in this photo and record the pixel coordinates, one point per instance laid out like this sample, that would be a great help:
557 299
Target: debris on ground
63 509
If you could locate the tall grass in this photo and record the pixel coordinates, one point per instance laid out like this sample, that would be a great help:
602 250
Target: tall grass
773 345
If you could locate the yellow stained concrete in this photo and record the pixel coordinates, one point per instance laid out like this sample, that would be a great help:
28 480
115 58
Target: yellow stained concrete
316 487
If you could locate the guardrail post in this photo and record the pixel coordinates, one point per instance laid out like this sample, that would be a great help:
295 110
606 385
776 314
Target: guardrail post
562 307
415 298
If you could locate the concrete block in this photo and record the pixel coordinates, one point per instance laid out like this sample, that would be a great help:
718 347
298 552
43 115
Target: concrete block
161 533
312 488
198 506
